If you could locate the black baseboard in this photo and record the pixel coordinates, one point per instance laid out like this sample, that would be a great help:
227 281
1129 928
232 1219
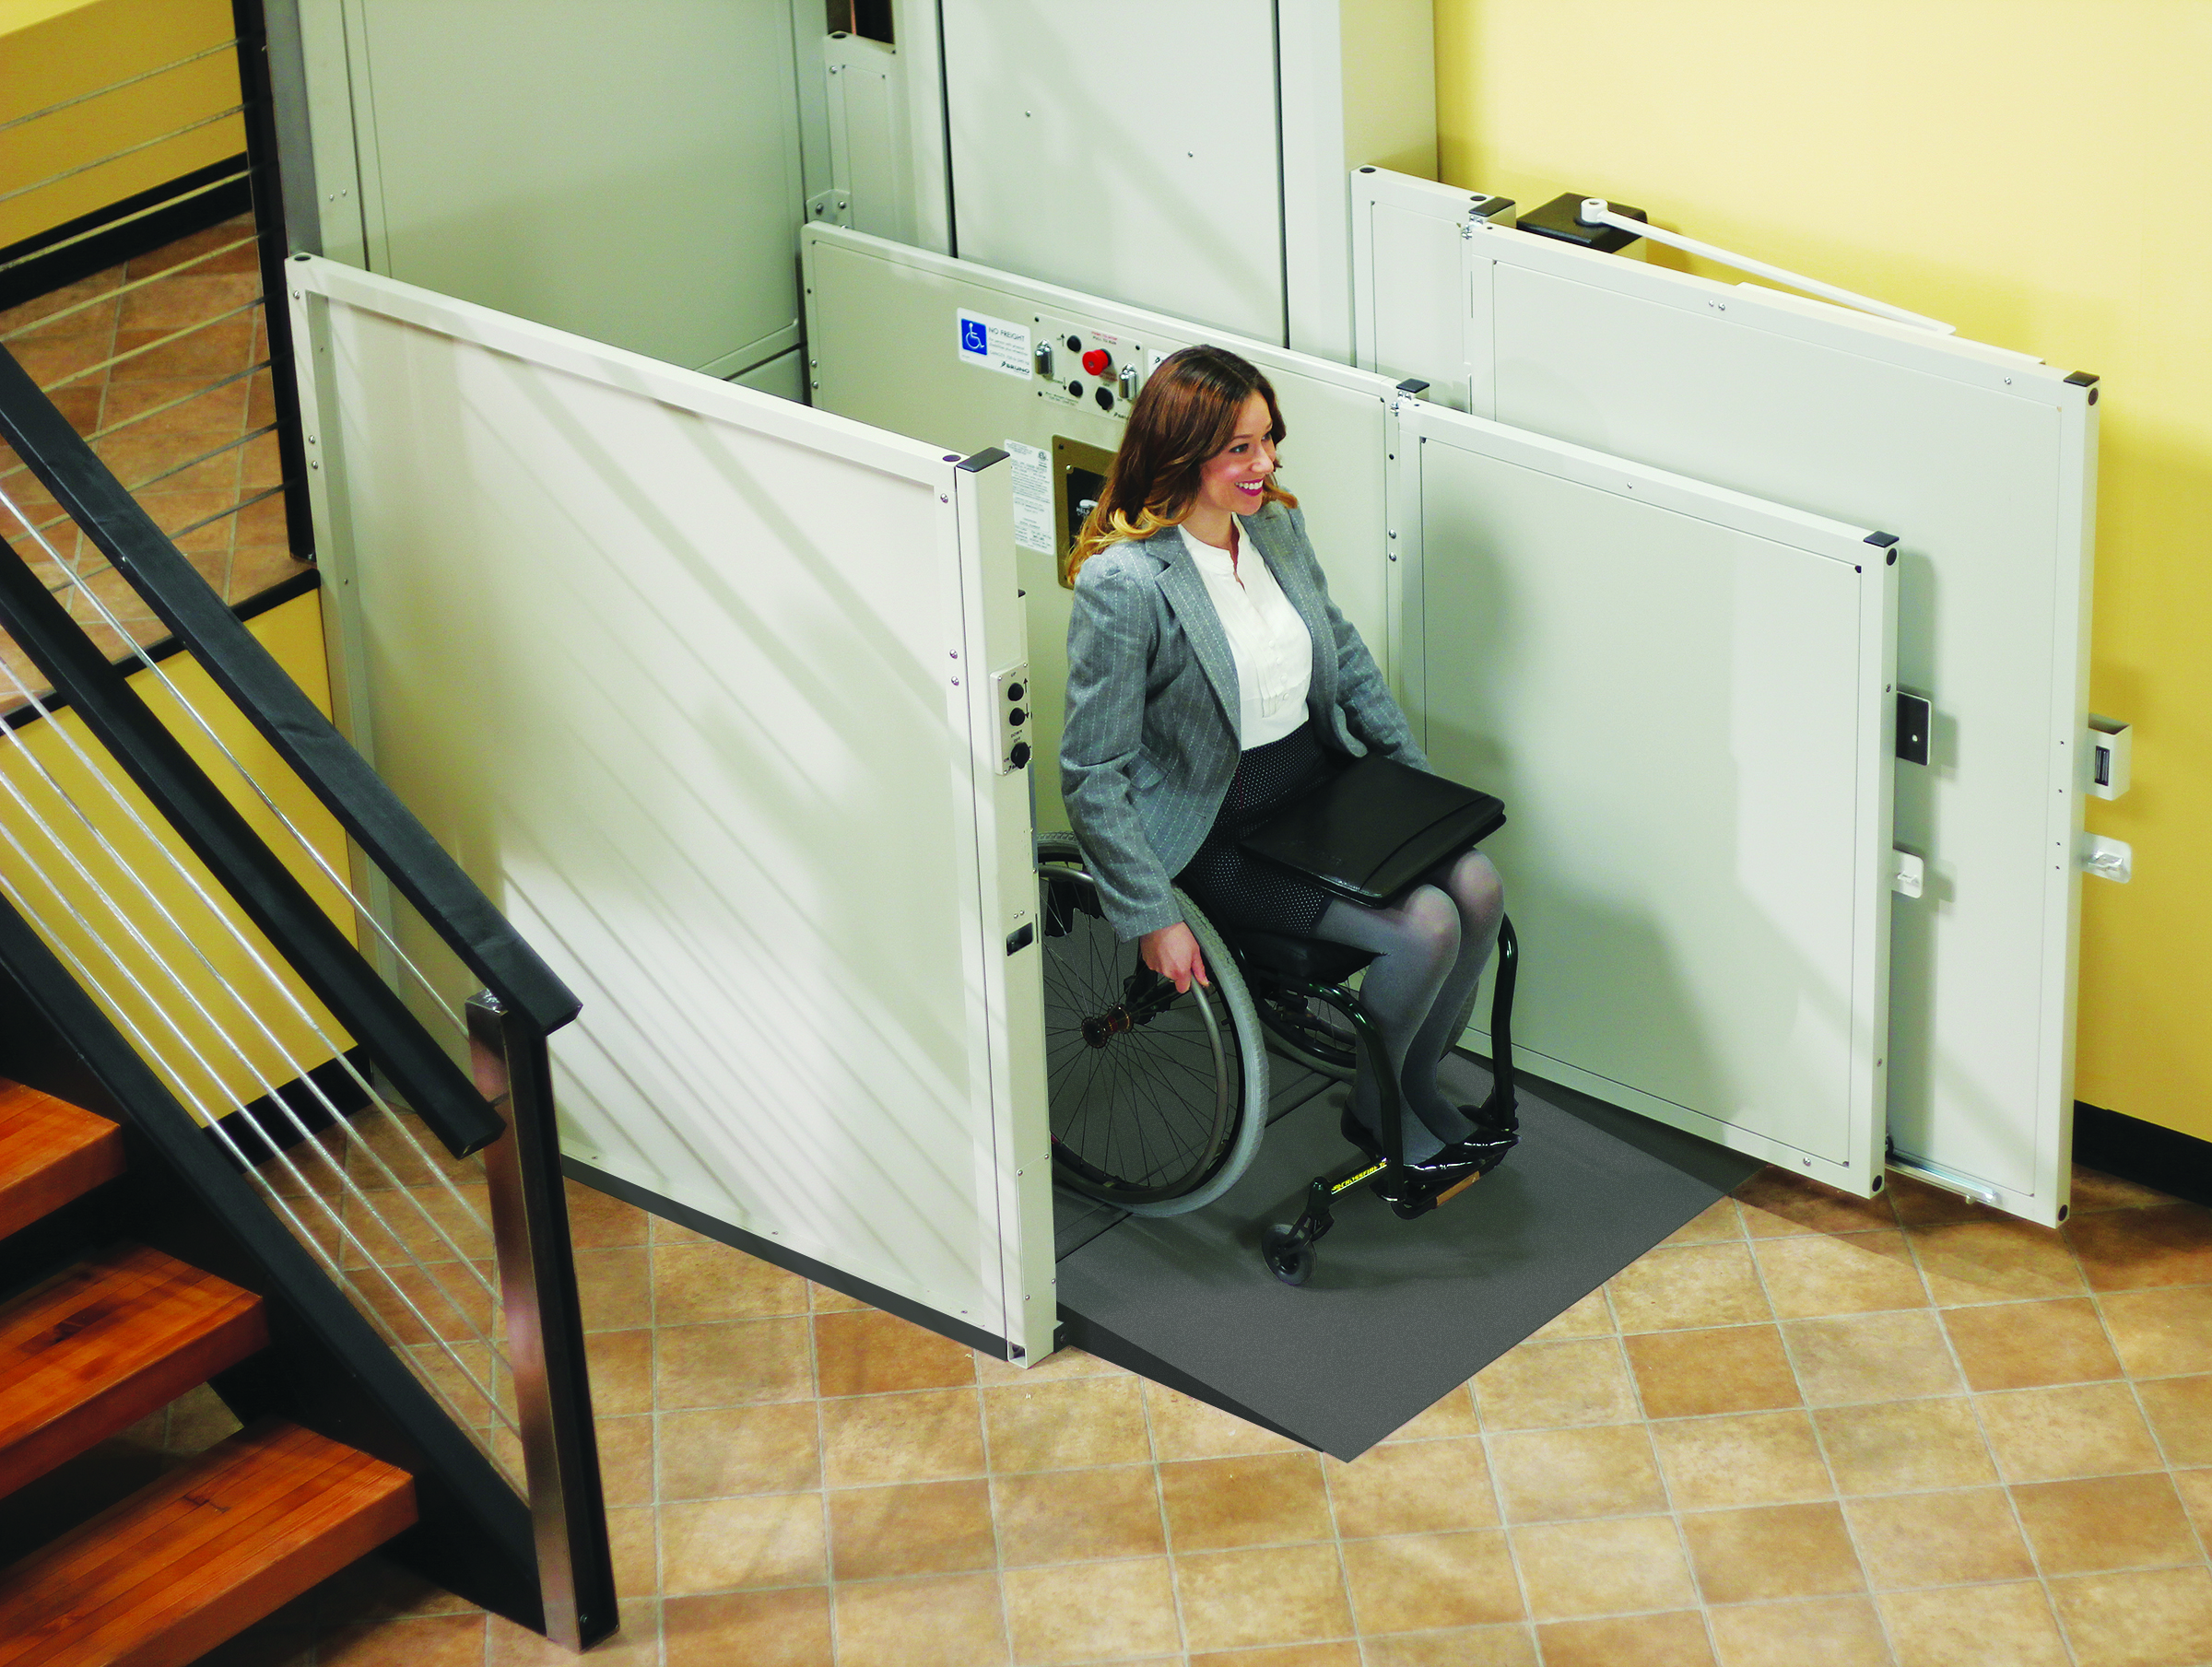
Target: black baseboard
2146 1154
277 1122
137 225
785 1257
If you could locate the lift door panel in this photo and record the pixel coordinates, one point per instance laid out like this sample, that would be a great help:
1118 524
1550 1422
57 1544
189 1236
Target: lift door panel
1683 697
701 686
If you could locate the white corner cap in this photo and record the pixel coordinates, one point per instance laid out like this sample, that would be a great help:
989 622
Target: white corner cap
1593 211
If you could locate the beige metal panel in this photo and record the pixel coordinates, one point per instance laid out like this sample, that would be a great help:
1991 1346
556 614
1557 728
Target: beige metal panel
783 376
678 672
1683 697
881 335
628 173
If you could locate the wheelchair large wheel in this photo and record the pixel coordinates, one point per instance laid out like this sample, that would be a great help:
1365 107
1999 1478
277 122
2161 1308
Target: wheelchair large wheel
1306 1029
1157 1100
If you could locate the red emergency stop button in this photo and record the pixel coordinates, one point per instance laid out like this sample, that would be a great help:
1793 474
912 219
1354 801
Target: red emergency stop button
1098 361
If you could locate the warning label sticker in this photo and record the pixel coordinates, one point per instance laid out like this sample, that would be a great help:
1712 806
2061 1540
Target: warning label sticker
1032 497
991 344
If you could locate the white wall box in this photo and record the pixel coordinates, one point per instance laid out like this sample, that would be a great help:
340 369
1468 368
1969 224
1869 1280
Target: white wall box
1982 461
697 684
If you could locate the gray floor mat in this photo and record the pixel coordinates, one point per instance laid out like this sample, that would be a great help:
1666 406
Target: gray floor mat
1397 1312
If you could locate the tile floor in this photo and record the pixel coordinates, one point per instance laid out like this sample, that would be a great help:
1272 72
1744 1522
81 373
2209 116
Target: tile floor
179 385
1806 1431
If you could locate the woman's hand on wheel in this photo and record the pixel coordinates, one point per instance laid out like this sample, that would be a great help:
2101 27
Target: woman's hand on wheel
1173 952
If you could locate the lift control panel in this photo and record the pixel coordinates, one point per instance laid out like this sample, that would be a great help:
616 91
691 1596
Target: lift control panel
1078 363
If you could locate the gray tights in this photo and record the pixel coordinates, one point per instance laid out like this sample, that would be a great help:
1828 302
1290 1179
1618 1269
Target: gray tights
1419 988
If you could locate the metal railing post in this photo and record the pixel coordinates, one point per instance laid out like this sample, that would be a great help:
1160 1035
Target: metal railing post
545 1327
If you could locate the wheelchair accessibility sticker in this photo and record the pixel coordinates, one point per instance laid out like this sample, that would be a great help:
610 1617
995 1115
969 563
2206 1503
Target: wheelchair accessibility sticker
991 344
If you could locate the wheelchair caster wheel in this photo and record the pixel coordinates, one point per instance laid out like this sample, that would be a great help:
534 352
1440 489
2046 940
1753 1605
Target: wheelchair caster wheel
1287 1258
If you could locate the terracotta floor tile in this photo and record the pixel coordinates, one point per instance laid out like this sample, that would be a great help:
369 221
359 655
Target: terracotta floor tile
1280 1594
599 1221
917 1528
1675 1638
2002 1260
869 1353
1776 1551
1886 1357
2159 1245
1592 1315
2094 1189
770 1449
1256 1499
661 1231
745 1360
1418 1583
2196 1488
1460 1647
1901 1446
1776 1201
1815 1275
1185 1428
1719 1220
2158 1617
1617 1566
2181 1412
1946 1539
2027 1344
1450 1415
621 1367
929 1436
2100 1523
1342 1652
933 1621
614 1289
827 1301
1604 1469
1062 1363
1974 1626
1056 1425
1413 1487
186 298
1741 1459
1071 1516
455 1641
787 1628
2046 1435
1919 1204
1734 1370
696 1284
1089 1611
1540 1385
1696 1285
764 1540
626 1467
1821 1632
2161 1334
634 1537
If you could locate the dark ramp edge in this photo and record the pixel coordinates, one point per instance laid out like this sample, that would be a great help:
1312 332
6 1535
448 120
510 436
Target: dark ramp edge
1397 1312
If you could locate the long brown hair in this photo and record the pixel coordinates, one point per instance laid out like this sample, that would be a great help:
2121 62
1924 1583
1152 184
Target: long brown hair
1185 413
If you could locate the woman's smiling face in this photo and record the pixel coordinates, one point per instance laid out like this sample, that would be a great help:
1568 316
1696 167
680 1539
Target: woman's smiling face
1231 479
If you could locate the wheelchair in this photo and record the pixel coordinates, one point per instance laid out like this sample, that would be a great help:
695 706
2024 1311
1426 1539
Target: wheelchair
1159 1100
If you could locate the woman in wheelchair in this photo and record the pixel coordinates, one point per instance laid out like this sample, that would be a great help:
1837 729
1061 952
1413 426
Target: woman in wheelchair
1211 680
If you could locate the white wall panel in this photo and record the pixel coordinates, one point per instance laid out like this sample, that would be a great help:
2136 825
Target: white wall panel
685 675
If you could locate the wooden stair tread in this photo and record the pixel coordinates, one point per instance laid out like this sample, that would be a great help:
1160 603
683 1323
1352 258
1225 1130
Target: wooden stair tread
202 1554
98 1347
50 1153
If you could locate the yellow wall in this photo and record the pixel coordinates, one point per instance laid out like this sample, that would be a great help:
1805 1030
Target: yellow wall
55 50
2029 170
34 779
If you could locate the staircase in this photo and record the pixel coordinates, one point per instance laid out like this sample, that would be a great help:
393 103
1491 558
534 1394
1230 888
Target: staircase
211 1547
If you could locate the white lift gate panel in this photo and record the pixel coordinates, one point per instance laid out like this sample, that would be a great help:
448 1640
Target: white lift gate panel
882 337
1981 460
1683 695
697 684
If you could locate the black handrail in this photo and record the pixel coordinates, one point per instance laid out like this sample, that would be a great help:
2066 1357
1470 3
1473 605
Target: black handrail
307 741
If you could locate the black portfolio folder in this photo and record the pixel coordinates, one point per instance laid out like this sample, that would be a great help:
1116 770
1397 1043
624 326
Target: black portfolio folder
1372 829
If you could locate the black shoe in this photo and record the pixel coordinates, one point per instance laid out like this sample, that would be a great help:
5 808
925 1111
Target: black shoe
1413 1189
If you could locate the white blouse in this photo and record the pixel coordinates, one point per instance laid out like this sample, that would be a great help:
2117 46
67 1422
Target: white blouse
1268 641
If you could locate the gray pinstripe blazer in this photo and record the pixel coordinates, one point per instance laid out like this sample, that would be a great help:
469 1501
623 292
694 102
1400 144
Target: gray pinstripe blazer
1150 742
